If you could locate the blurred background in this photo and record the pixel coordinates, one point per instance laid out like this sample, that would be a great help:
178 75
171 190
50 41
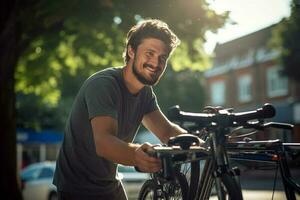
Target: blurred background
238 54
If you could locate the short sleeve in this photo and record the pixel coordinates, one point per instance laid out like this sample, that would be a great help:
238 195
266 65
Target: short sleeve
152 105
101 97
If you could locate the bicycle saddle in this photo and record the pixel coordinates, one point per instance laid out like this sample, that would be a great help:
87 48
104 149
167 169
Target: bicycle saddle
184 141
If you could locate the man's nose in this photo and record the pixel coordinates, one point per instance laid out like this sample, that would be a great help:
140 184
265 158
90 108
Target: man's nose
155 62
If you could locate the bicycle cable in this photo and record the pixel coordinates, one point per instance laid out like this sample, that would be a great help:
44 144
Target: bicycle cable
236 130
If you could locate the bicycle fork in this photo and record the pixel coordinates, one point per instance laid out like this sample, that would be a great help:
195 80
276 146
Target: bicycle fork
215 167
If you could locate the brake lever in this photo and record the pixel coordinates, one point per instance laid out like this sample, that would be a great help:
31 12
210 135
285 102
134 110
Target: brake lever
279 125
259 126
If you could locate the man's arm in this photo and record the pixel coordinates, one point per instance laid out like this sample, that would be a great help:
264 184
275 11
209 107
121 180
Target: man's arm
158 124
118 151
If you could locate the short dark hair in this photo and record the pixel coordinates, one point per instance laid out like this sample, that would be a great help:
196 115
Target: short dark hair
151 28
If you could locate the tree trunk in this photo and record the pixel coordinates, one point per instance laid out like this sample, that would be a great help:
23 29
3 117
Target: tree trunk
8 59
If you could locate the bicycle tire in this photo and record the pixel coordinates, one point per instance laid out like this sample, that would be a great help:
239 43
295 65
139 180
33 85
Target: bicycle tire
230 188
152 191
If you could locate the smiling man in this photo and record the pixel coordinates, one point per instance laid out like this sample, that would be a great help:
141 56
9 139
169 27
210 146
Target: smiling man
106 114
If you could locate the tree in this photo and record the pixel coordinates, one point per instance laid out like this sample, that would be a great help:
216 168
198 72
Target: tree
8 54
181 88
43 41
286 38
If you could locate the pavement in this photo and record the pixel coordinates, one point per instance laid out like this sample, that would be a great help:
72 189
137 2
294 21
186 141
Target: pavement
258 184
261 195
268 174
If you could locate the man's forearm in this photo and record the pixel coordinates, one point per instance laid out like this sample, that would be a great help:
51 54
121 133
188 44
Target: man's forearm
174 130
177 130
115 150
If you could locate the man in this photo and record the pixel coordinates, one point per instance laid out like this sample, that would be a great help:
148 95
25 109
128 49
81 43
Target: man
106 115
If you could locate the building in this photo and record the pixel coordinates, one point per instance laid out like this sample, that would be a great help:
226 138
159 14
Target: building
245 75
35 146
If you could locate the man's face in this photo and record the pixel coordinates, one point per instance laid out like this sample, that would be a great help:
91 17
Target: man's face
149 61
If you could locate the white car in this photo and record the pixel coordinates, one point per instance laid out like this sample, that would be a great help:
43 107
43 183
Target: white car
37 181
132 180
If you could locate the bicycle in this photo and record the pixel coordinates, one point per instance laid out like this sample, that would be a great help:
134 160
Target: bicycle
270 151
172 183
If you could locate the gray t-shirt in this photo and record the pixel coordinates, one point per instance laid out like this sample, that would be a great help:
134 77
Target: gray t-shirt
78 167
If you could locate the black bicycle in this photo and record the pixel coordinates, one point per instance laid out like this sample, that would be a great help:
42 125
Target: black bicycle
180 177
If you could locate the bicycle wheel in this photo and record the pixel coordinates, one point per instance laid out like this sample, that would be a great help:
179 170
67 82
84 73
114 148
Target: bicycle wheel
168 190
228 188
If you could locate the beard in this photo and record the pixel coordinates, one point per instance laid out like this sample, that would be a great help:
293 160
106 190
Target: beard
142 78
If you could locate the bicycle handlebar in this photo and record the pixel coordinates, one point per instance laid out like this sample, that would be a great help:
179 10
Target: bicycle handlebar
221 117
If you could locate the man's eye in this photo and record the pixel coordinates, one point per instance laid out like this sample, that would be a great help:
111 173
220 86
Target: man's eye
149 53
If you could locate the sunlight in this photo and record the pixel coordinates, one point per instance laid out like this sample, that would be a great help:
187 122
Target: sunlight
248 15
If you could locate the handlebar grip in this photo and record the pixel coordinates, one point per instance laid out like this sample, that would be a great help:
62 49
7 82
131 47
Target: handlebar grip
267 111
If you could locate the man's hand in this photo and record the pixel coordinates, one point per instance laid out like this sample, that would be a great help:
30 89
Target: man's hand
144 162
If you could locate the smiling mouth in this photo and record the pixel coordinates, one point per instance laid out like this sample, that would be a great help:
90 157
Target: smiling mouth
151 69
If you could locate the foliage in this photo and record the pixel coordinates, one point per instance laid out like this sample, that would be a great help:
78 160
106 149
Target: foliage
60 41
34 114
181 88
286 38
63 42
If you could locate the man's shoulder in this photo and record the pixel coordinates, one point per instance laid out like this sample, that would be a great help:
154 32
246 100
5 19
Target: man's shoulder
108 72
108 75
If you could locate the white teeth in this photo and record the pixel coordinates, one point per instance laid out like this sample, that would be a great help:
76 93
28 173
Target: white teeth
151 70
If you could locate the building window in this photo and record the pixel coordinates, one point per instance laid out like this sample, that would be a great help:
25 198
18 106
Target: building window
244 88
277 85
263 54
247 59
218 93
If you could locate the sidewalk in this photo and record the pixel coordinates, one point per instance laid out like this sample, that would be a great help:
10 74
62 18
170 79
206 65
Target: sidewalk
253 179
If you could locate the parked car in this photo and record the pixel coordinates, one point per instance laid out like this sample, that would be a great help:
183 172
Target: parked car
36 181
132 180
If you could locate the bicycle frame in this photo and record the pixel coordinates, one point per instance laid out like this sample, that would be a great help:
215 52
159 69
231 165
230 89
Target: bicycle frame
215 166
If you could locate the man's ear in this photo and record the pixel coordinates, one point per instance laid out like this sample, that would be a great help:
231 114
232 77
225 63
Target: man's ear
131 52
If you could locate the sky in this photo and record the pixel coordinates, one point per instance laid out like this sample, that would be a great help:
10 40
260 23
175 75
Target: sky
249 16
